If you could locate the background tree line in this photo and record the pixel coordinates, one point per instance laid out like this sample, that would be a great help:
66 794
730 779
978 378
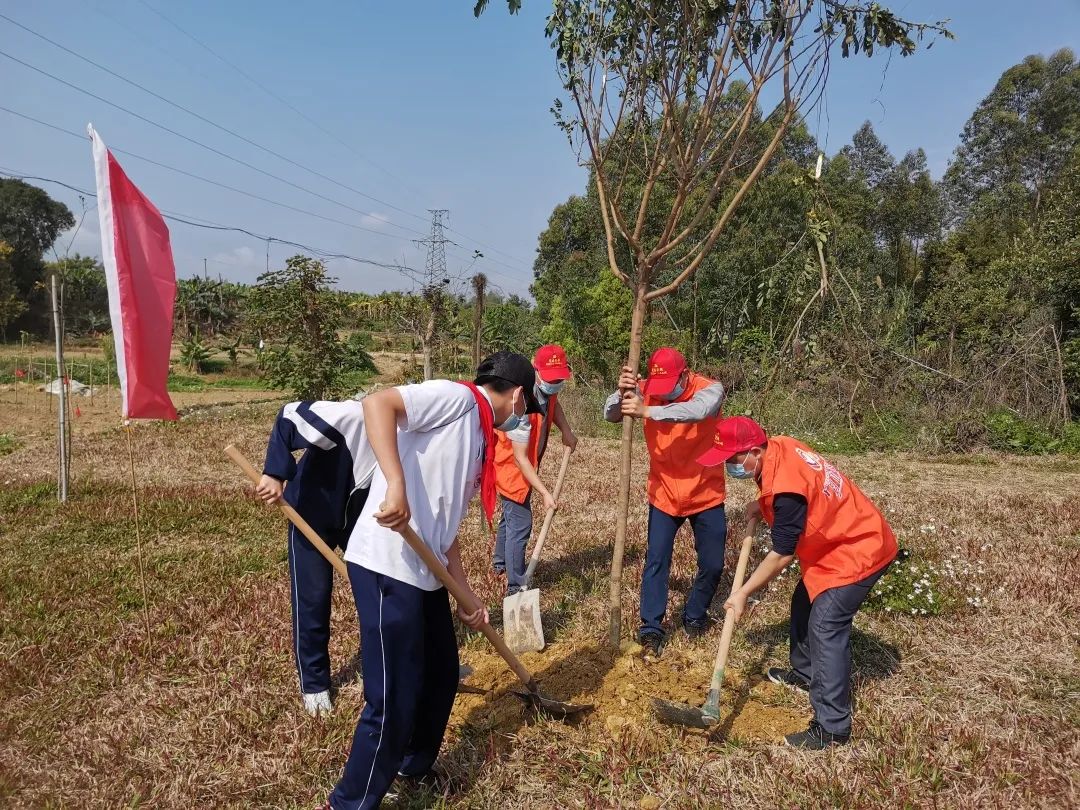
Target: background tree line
869 297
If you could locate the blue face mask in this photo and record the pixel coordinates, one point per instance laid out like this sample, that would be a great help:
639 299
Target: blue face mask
513 421
676 392
551 388
738 471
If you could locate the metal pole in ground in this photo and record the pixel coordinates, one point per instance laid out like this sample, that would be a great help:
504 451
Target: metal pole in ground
62 409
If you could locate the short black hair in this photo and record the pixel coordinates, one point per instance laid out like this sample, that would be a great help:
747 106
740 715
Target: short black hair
506 370
496 384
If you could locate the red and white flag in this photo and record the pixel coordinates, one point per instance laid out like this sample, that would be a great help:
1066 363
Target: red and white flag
141 281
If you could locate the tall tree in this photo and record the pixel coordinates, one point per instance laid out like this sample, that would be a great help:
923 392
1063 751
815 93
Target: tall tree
11 304
664 99
1018 139
298 314
30 222
869 156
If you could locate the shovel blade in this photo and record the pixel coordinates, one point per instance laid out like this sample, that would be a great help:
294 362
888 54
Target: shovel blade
521 621
682 714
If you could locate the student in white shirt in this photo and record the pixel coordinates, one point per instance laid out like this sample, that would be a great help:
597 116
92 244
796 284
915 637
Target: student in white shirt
434 443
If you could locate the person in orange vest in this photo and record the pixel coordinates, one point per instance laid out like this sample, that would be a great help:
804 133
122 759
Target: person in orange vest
843 545
518 454
678 408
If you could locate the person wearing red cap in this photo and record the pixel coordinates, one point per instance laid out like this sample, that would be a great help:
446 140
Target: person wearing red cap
843 545
518 454
678 408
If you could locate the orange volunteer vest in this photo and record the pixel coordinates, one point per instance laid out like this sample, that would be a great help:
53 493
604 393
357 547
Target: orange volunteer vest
508 478
846 538
678 485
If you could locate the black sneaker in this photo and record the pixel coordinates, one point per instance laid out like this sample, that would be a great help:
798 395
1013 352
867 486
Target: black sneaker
409 786
785 677
695 630
652 645
815 738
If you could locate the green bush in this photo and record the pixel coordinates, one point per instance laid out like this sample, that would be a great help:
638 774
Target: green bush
8 444
1012 434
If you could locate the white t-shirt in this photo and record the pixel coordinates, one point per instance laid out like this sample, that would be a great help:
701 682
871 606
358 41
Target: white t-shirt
442 455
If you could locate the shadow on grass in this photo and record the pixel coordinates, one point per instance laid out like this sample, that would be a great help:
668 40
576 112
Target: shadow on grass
487 732
872 658
572 578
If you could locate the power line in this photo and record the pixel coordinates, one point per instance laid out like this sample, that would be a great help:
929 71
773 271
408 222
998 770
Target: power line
271 93
225 186
214 226
227 157
525 265
212 123
197 222
243 192
196 142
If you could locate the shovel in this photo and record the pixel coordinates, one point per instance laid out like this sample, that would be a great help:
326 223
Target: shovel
683 714
521 611
305 528
532 695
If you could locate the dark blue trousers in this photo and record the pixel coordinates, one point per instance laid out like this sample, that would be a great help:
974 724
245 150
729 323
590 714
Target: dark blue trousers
710 538
515 527
410 662
821 648
311 582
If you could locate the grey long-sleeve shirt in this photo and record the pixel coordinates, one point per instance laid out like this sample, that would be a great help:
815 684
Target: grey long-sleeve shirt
704 404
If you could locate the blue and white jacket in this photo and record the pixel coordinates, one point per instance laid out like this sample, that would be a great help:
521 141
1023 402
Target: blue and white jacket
337 461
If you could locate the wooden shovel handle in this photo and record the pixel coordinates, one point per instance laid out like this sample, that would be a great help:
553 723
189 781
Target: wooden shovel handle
464 599
729 615
291 514
539 545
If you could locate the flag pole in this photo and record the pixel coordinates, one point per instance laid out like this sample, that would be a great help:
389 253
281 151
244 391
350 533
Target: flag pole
138 536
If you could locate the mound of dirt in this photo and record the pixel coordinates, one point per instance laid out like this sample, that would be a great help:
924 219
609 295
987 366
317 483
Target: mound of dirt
620 687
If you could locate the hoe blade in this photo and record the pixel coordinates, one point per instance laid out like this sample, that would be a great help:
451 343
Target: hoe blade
682 714
551 707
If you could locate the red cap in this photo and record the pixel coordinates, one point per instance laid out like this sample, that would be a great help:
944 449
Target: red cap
550 363
734 435
665 367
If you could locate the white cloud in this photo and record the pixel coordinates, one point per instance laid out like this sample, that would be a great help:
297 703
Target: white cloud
375 220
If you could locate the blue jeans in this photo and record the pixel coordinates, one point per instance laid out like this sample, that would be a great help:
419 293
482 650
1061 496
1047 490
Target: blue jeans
821 648
710 539
410 662
515 527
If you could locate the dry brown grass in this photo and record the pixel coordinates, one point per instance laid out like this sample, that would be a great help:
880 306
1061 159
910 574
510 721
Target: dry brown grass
970 709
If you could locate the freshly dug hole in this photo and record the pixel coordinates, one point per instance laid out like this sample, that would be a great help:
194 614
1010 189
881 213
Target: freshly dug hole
620 688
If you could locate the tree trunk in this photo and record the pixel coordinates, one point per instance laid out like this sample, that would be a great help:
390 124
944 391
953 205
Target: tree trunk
694 331
479 285
615 605
429 339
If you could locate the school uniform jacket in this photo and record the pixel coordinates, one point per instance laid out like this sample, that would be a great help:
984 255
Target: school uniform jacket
337 461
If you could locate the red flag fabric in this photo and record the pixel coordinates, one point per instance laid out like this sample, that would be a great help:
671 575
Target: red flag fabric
141 281
20 373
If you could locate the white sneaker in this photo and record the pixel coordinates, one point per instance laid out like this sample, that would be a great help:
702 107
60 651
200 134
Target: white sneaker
318 702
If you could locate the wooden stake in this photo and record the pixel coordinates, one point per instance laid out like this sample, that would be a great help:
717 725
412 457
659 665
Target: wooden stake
138 538
62 476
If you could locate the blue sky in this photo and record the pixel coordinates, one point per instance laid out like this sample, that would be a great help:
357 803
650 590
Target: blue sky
415 104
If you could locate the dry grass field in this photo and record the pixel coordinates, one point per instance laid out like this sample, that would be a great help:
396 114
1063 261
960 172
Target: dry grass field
977 706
